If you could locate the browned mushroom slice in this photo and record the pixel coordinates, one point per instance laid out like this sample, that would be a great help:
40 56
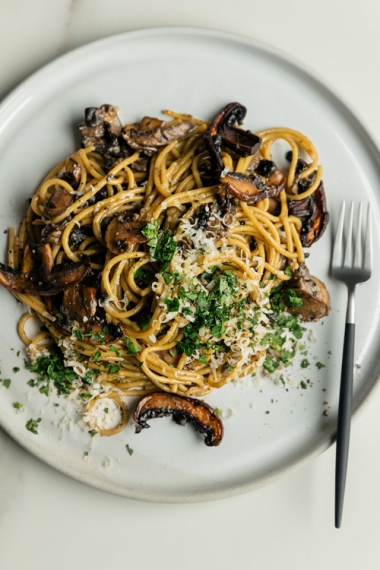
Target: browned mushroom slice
316 302
149 140
251 188
97 120
223 132
313 213
121 235
38 276
183 410
79 303
244 143
72 176
148 123
57 203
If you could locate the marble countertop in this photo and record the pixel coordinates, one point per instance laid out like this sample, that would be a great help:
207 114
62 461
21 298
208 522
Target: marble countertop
50 521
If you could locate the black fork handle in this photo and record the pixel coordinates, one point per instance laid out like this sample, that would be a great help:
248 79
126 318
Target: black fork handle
344 420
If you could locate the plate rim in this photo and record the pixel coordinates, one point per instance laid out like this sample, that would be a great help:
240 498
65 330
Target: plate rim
11 100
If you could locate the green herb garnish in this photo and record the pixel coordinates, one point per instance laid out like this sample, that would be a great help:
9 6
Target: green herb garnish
32 425
131 347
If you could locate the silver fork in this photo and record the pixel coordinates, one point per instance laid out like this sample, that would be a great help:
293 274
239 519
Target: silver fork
351 271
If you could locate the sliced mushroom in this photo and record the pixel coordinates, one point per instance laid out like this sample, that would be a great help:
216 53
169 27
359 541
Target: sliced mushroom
313 213
148 139
38 276
102 129
78 306
72 176
223 132
98 121
58 202
79 303
51 234
122 234
183 410
252 188
316 302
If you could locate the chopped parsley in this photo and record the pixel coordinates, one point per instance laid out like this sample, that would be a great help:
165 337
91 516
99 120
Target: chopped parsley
270 365
165 249
151 232
319 365
6 383
78 334
32 425
16 369
131 347
51 369
114 349
162 245
17 405
288 271
203 359
129 449
218 412
303 385
305 363
106 410
172 304
143 275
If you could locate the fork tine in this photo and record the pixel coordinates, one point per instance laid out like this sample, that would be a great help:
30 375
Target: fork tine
368 242
337 252
358 244
348 252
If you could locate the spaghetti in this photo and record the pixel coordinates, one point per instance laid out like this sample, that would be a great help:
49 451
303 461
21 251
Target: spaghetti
178 296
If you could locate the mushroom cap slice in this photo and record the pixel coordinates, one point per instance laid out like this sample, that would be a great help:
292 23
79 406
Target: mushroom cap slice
183 410
79 303
38 276
148 140
57 203
98 119
223 132
252 189
312 211
316 302
120 235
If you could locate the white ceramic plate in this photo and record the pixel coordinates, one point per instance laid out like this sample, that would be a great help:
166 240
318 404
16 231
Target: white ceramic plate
193 71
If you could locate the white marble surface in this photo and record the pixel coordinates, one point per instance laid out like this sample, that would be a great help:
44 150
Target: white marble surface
50 521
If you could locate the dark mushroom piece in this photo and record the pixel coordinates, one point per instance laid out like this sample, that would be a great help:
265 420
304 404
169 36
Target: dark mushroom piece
102 129
253 188
183 410
316 302
58 202
97 122
223 132
72 176
150 134
266 180
78 305
312 211
39 276
121 234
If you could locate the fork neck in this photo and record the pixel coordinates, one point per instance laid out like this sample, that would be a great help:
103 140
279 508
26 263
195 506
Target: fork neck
350 315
